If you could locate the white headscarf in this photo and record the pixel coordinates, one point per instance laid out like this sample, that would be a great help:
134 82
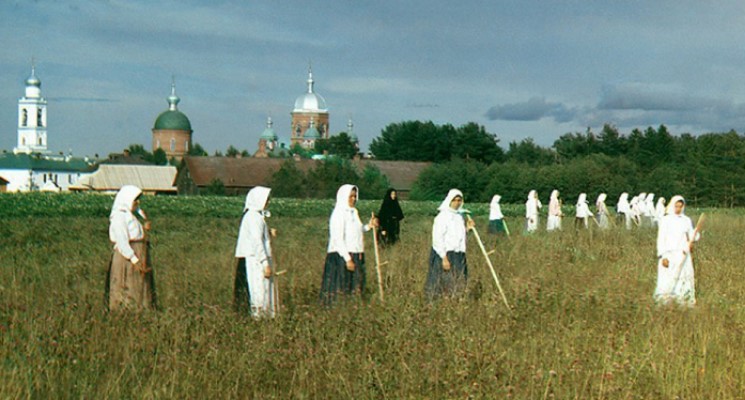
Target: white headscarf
582 198
256 198
342 197
660 201
555 195
650 198
495 210
532 195
124 199
671 205
601 198
445 205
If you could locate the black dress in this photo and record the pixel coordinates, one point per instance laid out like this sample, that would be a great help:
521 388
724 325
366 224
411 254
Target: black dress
390 216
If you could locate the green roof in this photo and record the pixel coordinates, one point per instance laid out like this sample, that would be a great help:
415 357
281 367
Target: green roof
269 134
172 120
41 163
312 133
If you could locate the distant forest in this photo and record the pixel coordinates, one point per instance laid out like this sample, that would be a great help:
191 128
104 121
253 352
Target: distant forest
707 169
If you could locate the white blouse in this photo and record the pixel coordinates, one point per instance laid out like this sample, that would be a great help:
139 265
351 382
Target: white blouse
674 234
345 233
253 239
448 233
123 228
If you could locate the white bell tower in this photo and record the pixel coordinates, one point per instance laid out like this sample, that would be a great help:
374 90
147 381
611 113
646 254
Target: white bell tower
32 118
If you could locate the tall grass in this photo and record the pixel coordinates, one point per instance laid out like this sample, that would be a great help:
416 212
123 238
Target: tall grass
583 325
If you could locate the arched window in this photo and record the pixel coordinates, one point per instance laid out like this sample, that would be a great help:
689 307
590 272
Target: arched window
186 146
298 129
23 141
24 117
39 140
39 121
173 144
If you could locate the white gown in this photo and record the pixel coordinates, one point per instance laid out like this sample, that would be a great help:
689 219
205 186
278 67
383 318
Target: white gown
254 244
676 282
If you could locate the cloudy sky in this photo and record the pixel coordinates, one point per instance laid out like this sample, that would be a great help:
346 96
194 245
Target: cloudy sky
521 68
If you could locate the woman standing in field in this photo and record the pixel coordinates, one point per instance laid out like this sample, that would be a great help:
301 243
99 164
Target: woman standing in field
344 270
582 212
623 210
532 206
649 209
389 217
602 210
254 281
554 212
496 218
675 280
448 267
129 282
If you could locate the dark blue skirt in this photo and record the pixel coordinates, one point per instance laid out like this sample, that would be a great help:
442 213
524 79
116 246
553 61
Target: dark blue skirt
241 296
337 279
496 226
446 283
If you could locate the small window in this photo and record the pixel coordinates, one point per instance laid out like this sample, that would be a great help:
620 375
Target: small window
23 141
173 145
186 146
24 117
39 141
39 121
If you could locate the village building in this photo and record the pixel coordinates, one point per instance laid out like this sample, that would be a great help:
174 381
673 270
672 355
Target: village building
172 129
109 178
310 117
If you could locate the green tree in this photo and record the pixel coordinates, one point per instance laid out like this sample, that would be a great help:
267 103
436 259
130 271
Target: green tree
328 175
526 151
232 151
197 150
160 157
472 141
467 175
414 141
289 181
215 188
373 183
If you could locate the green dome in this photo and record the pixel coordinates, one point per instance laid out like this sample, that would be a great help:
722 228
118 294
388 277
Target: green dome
312 133
172 120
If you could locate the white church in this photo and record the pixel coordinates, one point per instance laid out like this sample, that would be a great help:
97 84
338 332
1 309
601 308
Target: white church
31 166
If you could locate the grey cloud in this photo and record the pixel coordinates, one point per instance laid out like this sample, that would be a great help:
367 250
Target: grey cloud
532 110
642 96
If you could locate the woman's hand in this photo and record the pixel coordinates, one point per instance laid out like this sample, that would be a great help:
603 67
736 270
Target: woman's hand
446 264
665 262
350 265
147 225
273 232
470 224
267 272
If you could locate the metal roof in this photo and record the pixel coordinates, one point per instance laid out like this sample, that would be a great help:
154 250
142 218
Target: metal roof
149 178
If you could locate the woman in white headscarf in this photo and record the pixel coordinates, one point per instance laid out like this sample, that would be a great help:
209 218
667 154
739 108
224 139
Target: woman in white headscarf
659 211
638 208
582 212
623 210
129 283
554 212
344 271
448 266
675 280
254 281
532 206
496 218
602 211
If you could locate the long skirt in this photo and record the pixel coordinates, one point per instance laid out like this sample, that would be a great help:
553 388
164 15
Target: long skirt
260 289
603 221
676 282
446 283
553 223
241 295
531 224
497 226
392 229
128 288
581 223
337 279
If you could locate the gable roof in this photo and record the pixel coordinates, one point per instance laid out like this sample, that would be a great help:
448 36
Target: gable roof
38 162
4 181
249 172
149 178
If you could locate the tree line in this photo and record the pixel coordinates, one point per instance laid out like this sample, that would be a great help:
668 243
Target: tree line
708 169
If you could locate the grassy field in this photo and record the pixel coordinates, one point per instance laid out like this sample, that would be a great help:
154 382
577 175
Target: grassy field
583 325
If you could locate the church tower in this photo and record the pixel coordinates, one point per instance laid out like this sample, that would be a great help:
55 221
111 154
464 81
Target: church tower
32 118
172 129
310 115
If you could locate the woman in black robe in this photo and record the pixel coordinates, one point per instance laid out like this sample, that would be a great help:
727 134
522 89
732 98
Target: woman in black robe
390 216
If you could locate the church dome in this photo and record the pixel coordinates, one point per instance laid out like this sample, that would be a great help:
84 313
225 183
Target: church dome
33 80
172 119
312 133
269 134
310 101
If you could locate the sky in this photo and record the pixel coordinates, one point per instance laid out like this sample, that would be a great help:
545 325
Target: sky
520 68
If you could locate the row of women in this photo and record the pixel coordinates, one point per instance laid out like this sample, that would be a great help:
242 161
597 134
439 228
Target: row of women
640 211
130 282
